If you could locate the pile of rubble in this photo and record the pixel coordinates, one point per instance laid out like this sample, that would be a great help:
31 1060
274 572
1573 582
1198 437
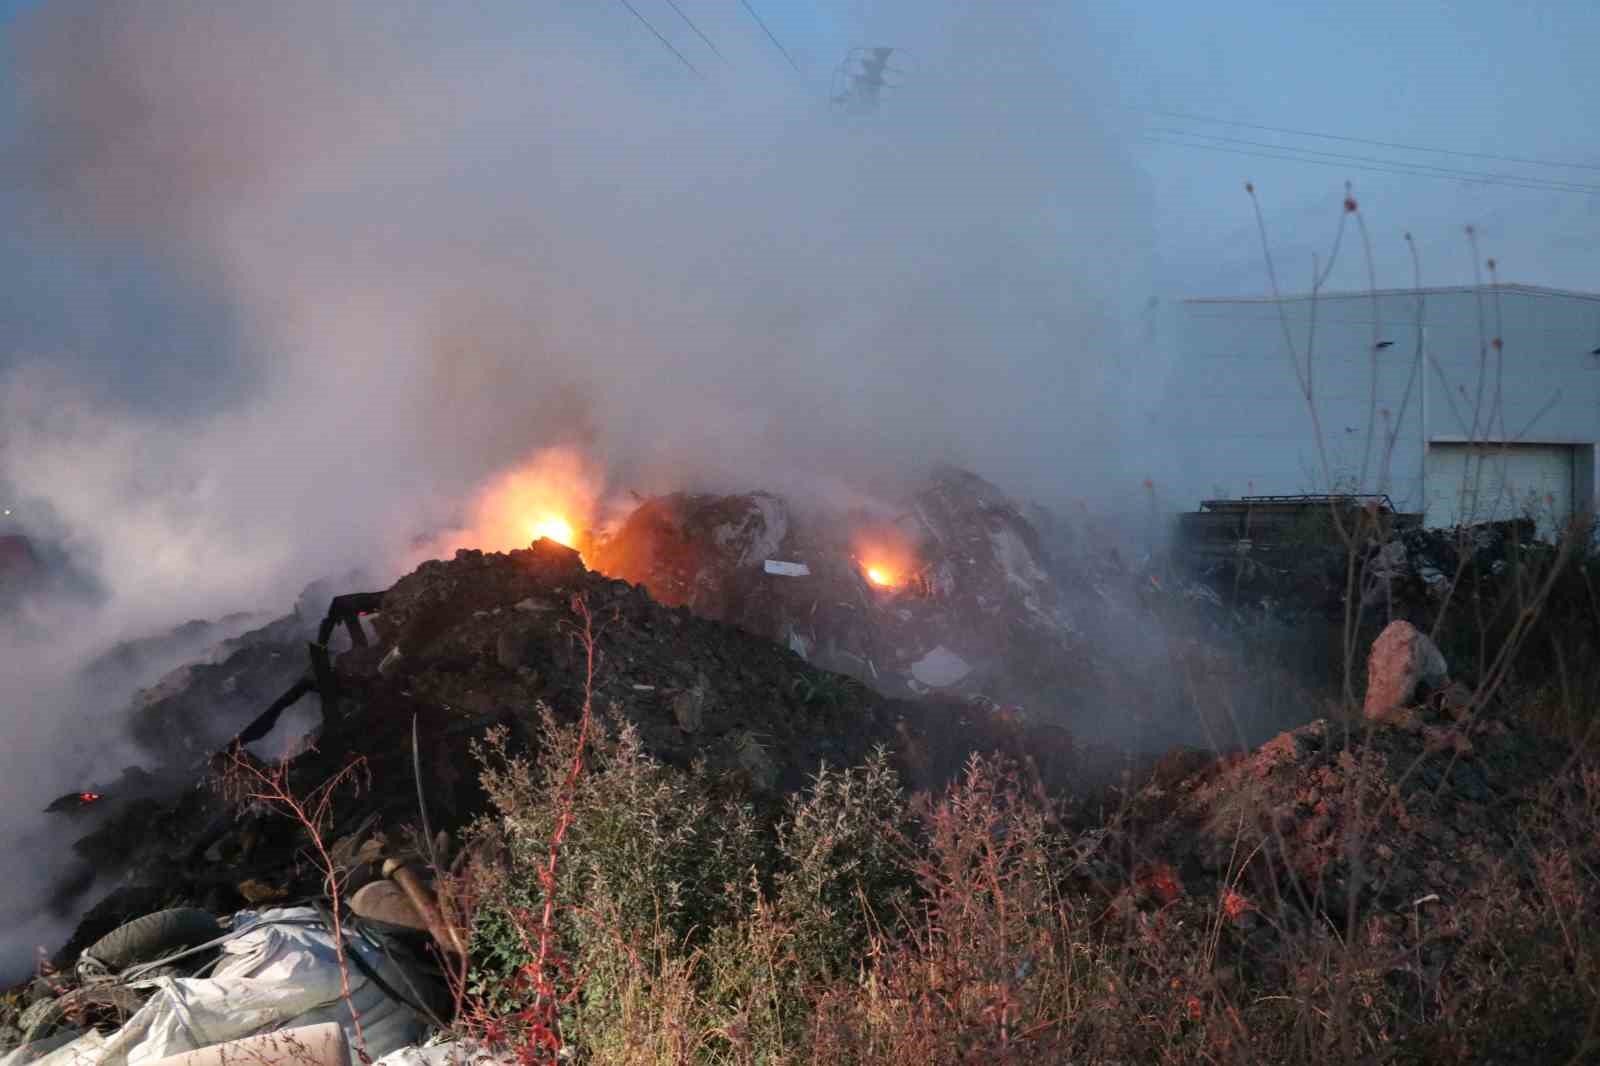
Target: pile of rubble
449 651
733 630
1422 798
1403 570
715 631
957 594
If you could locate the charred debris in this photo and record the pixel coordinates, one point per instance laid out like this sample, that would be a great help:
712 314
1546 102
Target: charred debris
740 635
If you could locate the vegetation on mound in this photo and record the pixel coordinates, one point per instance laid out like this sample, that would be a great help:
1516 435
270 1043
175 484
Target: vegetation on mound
863 925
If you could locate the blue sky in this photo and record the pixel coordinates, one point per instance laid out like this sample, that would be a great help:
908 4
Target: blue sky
1515 79
1470 76
1476 76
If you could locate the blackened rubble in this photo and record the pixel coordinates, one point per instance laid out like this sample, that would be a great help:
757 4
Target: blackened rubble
486 639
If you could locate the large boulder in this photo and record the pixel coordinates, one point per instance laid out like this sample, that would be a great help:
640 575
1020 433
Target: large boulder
1403 659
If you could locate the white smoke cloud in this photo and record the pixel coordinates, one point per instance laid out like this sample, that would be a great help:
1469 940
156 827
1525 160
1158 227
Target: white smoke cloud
449 240
443 238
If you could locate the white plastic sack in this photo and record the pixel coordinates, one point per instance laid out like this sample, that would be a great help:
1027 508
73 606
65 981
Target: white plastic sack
281 972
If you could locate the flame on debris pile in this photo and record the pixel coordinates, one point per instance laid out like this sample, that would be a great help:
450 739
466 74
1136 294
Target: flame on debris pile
885 555
73 801
556 528
554 495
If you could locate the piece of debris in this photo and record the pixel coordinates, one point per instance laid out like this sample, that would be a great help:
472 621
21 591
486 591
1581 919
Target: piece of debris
390 662
783 569
940 668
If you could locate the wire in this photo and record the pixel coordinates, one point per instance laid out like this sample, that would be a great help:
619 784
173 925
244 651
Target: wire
1474 175
674 5
681 57
1546 187
1380 144
775 42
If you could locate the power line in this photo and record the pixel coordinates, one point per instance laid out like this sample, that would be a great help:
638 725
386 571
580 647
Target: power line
1356 166
696 29
681 57
1379 144
1468 175
775 42
1359 166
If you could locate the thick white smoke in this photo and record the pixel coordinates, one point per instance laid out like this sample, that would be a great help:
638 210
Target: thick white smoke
421 242
448 240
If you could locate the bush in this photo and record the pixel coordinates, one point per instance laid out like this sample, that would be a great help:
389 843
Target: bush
855 926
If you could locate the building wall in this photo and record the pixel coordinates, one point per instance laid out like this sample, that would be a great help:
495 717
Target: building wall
1241 424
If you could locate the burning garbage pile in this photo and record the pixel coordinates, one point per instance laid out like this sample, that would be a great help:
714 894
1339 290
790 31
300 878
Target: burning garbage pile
750 641
451 650
1404 819
952 594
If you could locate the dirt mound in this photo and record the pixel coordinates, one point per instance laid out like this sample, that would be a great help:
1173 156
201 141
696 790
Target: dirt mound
484 640
1335 815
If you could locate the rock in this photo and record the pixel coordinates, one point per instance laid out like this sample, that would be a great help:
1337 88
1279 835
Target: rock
689 707
1403 657
258 892
751 757
686 709
385 901
1456 700
511 649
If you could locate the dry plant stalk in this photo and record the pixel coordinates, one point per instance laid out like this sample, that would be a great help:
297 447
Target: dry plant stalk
532 1033
248 780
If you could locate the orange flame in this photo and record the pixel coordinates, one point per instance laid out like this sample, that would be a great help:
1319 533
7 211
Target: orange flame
556 528
887 558
554 495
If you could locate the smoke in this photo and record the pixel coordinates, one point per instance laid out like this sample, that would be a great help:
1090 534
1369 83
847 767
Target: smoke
350 262
445 241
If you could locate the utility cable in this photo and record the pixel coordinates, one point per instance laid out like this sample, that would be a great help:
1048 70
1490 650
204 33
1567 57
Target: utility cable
1467 175
690 22
673 49
775 42
1364 140
1546 187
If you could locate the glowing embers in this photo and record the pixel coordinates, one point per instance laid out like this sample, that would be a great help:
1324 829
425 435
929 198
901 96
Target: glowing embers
884 554
73 802
881 577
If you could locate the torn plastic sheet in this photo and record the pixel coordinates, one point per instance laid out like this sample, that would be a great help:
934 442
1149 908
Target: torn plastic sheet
280 970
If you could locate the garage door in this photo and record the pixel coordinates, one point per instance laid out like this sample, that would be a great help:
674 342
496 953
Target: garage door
1494 482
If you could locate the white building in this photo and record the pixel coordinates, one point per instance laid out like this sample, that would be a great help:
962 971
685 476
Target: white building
1412 394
